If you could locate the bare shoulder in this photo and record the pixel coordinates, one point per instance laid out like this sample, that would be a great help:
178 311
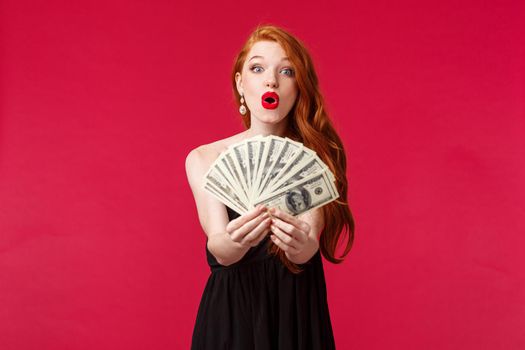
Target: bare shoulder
199 159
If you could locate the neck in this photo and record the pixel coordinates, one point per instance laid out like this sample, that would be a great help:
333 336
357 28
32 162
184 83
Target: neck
260 128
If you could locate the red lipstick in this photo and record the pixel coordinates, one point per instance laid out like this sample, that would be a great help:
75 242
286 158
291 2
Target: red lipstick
270 100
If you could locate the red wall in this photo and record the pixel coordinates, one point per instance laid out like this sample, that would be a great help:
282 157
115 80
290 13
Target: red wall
100 245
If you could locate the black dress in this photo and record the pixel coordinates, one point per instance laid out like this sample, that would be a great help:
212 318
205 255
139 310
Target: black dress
257 303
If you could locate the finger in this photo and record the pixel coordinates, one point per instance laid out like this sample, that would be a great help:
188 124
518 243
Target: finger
283 245
259 238
285 238
238 234
255 232
291 230
241 220
302 225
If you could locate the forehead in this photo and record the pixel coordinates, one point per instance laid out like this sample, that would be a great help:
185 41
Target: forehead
267 50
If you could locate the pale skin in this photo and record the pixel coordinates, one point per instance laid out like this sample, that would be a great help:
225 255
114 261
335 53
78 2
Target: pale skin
297 236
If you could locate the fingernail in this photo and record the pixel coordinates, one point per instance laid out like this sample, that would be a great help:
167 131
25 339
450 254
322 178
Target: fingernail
265 215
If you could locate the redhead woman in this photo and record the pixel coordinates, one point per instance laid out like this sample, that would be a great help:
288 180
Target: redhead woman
267 290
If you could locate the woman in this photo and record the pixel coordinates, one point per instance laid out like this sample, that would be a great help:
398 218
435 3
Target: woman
267 286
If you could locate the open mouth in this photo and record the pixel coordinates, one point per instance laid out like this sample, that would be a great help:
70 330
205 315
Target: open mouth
270 100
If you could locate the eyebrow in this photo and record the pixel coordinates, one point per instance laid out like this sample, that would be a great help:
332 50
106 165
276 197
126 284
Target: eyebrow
283 59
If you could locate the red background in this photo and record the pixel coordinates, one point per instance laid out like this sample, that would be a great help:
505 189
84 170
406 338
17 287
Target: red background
100 102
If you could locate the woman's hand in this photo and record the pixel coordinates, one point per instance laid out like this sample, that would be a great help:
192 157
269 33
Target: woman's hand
250 228
293 236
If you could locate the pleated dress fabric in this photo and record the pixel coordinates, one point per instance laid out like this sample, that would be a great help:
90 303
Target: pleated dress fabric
257 303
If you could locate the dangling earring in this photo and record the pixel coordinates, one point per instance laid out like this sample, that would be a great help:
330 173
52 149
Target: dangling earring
242 108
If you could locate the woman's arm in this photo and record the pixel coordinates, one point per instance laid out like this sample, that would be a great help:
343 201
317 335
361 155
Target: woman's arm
224 249
227 241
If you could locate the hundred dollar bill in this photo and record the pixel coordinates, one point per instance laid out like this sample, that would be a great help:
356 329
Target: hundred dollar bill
240 158
311 166
226 201
302 156
261 148
223 188
252 148
233 169
273 146
289 149
312 192
226 174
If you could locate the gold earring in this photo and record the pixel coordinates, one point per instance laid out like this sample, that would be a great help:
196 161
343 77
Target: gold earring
242 108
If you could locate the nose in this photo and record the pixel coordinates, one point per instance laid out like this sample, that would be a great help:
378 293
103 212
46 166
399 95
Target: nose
271 81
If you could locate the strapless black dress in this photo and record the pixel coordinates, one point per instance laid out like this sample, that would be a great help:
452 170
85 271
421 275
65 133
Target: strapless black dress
257 303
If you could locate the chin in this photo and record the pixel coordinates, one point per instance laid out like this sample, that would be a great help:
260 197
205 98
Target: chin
272 118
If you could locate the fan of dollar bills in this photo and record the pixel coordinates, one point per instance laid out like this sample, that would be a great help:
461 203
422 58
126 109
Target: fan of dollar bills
273 171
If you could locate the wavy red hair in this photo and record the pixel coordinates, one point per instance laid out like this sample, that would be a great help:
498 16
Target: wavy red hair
309 124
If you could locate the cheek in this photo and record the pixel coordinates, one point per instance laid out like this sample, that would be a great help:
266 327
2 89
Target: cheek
251 93
292 91
251 99
290 99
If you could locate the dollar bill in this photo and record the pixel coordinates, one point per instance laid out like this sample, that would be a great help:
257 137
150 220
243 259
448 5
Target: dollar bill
311 166
225 200
235 171
224 188
222 167
240 157
261 148
301 157
273 146
288 150
312 192
252 149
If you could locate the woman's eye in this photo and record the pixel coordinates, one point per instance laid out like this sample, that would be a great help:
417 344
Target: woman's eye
257 69
289 70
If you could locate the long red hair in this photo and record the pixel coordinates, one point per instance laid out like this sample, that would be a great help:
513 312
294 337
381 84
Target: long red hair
309 124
